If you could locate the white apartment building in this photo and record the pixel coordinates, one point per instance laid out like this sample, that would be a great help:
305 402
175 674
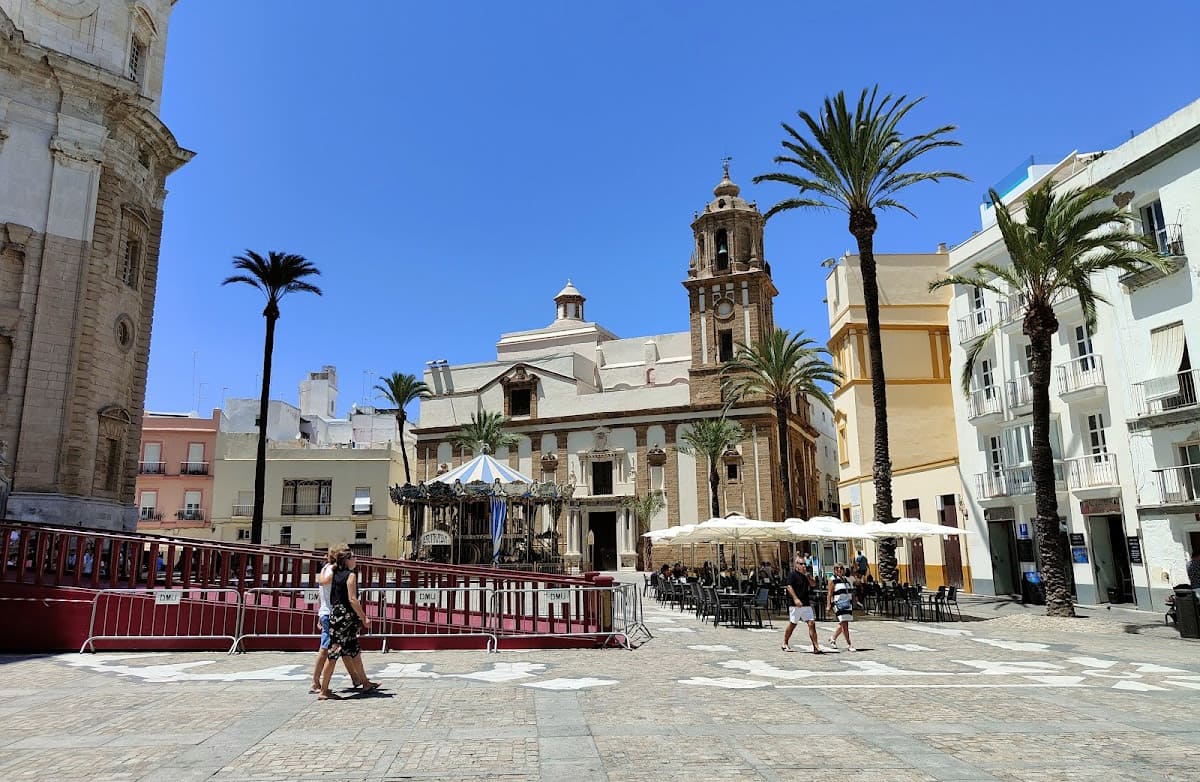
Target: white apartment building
1124 414
828 468
327 477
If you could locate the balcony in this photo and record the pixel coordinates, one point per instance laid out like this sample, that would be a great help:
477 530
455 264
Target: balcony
149 514
974 325
304 509
1094 475
1008 482
193 468
1081 377
1169 240
984 403
189 514
1178 488
242 510
1012 309
151 468
1164 401
1020 393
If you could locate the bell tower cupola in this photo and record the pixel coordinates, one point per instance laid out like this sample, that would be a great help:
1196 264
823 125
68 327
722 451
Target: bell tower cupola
569 303
730 291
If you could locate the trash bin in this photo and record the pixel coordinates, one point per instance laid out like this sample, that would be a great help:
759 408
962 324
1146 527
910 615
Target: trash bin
1188 608
1032 590
1114 595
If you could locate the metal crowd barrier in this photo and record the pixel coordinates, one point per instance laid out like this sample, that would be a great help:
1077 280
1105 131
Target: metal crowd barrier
290 612
164 614
422 612
192 613
561 612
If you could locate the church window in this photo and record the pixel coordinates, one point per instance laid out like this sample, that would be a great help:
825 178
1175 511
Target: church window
520 401
731 471
112 467
137 51
722 250
130 261
602 477
725 345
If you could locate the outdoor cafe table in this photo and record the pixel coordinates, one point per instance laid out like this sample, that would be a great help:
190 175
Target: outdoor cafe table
741 603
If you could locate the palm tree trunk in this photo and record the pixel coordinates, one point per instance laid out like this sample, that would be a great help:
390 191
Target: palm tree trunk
260 464
785 473
400 419
1040 326
714 487
862 226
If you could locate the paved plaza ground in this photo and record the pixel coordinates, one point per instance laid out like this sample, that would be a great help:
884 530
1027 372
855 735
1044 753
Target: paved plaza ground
1115 697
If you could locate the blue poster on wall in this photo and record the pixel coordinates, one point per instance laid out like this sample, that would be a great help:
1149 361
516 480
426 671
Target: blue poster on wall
1023 531
1079 555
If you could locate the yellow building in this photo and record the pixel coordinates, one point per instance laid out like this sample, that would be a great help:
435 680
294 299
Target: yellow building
926 483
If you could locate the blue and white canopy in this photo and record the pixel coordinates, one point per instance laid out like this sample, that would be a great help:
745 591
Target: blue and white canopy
483 468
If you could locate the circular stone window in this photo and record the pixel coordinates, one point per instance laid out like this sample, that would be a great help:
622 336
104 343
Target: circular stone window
124 332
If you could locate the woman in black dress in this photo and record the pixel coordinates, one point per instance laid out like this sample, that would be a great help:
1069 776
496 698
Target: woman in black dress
345 617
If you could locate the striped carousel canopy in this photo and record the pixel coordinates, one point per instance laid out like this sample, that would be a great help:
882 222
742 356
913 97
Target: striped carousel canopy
483 468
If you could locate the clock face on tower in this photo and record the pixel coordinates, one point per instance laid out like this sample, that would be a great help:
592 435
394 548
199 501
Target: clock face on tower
724 309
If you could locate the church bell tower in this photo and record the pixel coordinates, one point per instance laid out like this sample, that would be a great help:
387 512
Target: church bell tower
730 291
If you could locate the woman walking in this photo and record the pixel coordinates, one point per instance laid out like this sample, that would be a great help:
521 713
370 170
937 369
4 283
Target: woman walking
345 617
840 599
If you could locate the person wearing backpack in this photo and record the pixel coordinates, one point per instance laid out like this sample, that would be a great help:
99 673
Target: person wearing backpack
840 600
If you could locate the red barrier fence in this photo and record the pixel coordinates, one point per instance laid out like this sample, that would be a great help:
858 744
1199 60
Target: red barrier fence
41 564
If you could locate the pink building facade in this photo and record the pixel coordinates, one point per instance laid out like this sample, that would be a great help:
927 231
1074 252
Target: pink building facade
175 471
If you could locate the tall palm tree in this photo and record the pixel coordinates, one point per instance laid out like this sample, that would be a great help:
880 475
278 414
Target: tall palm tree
780 366
645 507
402 390
1065 239
710 437
276 276
856 163
485 433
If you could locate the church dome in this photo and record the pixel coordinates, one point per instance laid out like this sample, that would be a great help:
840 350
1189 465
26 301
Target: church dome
569 291
726 186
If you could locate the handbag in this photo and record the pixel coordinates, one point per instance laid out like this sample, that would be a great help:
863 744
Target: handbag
843 604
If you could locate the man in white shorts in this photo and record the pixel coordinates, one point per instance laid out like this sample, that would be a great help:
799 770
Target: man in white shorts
799 589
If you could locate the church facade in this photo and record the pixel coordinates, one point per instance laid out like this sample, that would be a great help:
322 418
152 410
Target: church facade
608 414
83 161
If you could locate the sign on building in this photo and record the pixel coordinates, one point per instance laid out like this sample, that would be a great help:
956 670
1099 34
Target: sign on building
436 537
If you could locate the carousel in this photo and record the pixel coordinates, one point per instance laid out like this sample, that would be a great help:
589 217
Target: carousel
485 512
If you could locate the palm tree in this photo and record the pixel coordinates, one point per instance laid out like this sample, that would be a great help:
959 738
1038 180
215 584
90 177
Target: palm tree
780 366
710 437
276 276
402 390
645 507
856 164
485 433
1066 238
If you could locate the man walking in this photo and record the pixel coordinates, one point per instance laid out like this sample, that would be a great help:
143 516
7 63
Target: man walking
799 589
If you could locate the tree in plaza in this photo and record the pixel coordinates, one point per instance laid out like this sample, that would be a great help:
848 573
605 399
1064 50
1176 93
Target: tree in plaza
782 367
276 276
401 390
645 507
485 433
856 163
710 437
1064 240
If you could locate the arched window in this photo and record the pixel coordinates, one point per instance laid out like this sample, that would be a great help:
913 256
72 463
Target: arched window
722 250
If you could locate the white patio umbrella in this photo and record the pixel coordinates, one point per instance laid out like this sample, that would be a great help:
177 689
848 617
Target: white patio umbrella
823 528
907 529
735 530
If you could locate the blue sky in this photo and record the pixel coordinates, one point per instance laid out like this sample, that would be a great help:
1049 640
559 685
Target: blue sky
449 165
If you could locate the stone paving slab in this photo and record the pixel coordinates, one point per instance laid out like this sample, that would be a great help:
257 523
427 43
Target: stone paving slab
1013 698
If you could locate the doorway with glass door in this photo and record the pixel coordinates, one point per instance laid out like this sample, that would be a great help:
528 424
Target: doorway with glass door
1110 559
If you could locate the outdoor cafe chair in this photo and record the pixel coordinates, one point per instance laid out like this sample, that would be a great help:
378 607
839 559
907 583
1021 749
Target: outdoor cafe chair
936 603
762 606
952 603
705 608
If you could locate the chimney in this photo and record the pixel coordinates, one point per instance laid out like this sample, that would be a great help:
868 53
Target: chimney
942 250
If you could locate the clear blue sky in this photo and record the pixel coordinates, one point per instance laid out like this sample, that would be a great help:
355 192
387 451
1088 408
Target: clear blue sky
449 166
